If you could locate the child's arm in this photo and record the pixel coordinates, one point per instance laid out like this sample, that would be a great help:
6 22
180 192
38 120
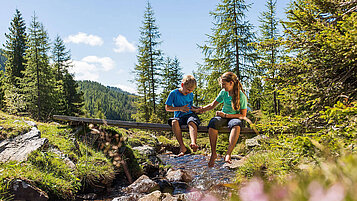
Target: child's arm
242 115
170 108
209 107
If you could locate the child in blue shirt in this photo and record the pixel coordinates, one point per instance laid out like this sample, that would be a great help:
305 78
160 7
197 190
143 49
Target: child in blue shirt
233 112
180 101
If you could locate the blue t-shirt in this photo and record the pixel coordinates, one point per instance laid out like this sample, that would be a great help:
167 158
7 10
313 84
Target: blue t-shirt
226 99
177 99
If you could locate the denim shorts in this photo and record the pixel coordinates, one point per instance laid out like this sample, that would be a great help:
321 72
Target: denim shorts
219 122
184 120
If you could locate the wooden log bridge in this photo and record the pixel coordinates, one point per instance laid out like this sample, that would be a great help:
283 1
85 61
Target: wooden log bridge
147 126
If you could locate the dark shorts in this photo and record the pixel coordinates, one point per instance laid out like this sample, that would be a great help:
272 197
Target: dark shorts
186 119
219 122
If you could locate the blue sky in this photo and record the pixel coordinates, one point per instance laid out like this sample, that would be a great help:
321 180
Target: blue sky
103 35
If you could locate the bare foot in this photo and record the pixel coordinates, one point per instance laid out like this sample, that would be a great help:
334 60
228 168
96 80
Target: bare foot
212 159
227 159
194 147
182 152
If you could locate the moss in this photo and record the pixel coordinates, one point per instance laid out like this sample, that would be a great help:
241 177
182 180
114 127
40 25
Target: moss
49 172
12 126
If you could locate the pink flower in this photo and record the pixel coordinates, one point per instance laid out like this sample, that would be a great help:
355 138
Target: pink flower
335 193
253 191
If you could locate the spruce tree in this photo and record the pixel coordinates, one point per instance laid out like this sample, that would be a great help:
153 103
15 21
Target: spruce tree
37 85
15 48
228 48
14 51
74 98
268 49
171 79
147 71
61 62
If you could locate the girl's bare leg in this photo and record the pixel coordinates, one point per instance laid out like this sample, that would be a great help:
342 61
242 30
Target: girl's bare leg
233 138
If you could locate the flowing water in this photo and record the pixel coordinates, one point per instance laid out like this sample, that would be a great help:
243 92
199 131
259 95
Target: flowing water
205 179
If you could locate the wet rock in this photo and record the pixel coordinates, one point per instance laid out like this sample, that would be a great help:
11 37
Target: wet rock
158 196
179 187
142 185
196 195
22 190
179 175
18 148
130 197
89 196
165 186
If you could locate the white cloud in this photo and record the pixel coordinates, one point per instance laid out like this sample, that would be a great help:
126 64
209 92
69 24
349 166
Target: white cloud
126 88
84 71
106 62
91 40
123 45
89 67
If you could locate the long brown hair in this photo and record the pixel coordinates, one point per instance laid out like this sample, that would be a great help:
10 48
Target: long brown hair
237 87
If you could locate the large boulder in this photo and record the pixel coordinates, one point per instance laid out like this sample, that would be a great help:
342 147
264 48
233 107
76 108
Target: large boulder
18 148
158 196
179 175
142 185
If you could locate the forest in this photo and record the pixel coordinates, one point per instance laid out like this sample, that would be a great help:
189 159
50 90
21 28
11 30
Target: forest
106 102
301 83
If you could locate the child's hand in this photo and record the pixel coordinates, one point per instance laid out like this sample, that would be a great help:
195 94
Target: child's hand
184 108
196 110
220 113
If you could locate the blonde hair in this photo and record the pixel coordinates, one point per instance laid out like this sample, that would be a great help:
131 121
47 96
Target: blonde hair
189 81
237 87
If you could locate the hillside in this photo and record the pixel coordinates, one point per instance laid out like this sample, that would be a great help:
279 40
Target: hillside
111 102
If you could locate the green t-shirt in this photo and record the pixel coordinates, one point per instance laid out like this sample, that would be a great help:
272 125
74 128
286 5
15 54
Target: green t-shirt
226 99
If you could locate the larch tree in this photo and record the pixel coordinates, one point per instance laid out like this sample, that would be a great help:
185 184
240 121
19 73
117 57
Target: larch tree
147 70
268 48
171 79
227 49
38 81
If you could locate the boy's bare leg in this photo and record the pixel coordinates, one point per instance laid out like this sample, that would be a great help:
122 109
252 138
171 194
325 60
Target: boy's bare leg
177 131
233 138
193 135
213 135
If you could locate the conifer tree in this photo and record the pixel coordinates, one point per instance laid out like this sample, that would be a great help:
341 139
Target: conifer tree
147 70
269 53
14 51
37 85
2 90
74 98
228 48
171 79
68 99
322 68
15 48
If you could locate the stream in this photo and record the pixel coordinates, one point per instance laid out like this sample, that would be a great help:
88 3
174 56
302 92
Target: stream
205 179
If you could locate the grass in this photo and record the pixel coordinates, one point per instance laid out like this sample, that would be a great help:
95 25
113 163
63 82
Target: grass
48 170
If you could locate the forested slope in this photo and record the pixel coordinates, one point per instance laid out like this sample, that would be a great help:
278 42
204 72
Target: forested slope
107 102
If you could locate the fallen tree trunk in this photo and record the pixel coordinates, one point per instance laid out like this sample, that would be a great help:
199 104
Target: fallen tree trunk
138 125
